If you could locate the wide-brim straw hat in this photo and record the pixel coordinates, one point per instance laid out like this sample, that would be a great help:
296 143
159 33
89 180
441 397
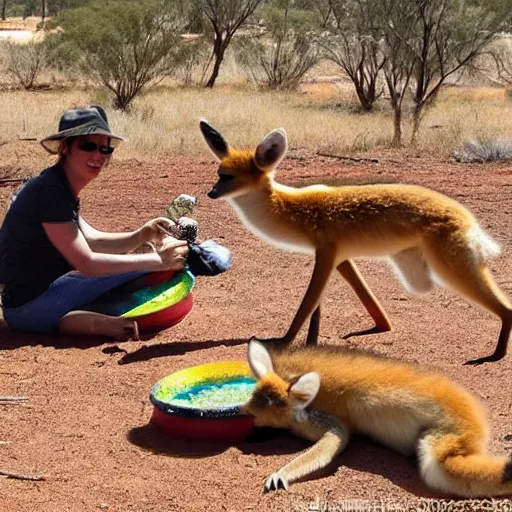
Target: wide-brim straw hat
80 121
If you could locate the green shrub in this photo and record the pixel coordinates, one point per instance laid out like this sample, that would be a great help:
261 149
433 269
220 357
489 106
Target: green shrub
125 46
25 62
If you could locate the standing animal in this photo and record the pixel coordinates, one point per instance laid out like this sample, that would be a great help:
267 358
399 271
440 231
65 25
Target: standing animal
323 395
426 234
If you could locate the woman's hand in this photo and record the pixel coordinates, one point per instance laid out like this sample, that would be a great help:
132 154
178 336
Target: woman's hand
173 253
156 230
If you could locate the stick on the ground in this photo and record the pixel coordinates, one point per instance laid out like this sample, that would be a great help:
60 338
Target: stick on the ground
351 158
21 476
13 399
12 180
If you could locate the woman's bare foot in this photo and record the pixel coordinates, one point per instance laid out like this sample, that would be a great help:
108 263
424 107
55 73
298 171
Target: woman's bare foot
96 324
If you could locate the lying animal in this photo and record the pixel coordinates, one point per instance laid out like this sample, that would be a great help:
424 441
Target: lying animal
323 394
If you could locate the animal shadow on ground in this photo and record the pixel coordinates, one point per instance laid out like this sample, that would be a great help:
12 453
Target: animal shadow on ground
12 340
270 441
147 352
361 455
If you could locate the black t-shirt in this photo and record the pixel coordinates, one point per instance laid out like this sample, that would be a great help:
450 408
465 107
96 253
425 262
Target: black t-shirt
29 262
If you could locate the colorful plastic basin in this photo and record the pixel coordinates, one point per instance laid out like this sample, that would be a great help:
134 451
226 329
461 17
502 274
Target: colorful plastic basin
159 294
203 402
165 318
157 300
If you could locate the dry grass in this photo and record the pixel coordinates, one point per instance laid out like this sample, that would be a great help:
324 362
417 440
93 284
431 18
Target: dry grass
168 119
463 114
323 117
19 23
35 114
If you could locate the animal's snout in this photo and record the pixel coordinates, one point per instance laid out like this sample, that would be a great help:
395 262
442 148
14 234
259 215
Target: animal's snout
214 193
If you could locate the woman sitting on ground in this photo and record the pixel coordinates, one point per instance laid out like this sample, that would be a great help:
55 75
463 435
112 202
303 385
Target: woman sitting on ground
52 262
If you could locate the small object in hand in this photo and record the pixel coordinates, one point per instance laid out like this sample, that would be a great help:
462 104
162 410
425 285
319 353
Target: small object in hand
208 258
187 229
169 231
181 206
204 259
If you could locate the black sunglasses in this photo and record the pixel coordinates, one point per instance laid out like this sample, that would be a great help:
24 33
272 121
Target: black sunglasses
89 147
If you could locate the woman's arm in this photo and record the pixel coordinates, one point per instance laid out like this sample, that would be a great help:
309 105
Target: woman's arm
122 243
72 244
110 243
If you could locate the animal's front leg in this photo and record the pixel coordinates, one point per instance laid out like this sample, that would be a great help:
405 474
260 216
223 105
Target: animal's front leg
314 328
324 264
320 455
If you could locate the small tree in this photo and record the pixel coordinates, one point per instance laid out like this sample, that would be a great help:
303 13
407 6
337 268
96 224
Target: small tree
125 45
25 61
321 10
193 60
225 17
289 54
452 37
426 41
353 43
55 7
398 28
501 53
30 8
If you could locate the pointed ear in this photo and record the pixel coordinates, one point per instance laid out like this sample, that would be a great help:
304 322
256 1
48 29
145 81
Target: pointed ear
305 389
214 139
259 359
271 149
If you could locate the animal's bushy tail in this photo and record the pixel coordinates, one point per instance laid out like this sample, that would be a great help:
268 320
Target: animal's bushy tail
482 245
446 466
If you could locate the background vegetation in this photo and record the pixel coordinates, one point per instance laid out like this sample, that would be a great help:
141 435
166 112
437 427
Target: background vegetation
340 75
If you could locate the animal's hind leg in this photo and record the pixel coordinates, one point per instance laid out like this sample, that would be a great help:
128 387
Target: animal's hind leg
458 267
351 274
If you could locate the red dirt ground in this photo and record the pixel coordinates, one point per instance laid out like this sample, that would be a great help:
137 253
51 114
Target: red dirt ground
86 423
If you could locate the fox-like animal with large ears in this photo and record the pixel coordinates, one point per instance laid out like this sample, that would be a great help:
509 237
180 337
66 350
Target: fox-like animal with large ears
325 394
427 235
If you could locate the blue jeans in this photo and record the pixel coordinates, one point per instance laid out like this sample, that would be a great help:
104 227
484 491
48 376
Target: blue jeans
67 293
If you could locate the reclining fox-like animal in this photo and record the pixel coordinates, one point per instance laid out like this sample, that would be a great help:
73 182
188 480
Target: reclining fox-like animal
426 234
324 394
